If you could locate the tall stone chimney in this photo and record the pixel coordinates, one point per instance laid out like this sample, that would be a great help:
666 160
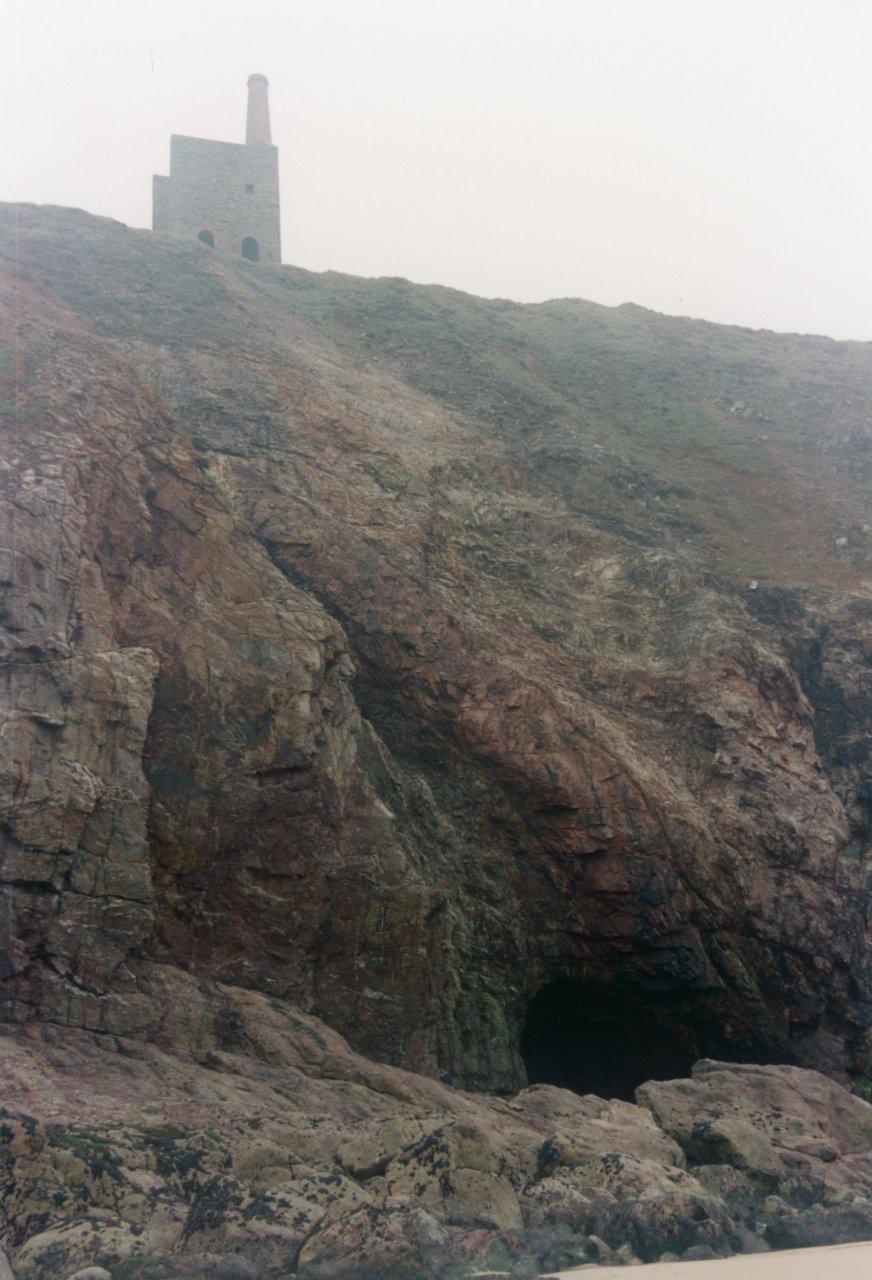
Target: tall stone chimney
225 194
257 122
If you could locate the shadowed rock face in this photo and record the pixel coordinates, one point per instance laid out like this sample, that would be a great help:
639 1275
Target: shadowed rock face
608 1041
392 654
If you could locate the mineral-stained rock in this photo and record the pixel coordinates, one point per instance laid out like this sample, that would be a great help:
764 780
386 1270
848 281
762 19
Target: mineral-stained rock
338 1248
131 588
329 677
375 1145
378 661
565 1199
269 1227
680 1220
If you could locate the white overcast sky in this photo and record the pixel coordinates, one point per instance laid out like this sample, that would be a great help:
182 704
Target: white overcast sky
701 157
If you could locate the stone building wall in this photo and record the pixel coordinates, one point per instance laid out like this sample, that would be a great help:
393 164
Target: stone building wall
224 188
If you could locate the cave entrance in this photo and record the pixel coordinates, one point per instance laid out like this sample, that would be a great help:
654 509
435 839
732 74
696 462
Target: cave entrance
607 1041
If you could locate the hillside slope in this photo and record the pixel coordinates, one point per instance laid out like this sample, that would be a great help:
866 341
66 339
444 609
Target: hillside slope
394 653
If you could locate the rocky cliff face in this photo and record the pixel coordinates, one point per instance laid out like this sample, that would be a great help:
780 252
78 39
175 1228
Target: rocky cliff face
395 655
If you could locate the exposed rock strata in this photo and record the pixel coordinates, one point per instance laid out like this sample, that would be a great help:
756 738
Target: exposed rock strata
132 763
406 679
584 754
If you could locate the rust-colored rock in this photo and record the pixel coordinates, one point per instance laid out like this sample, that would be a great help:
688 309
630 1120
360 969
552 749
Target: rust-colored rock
417 680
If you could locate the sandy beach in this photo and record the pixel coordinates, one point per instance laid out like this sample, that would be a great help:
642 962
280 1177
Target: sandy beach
835 1262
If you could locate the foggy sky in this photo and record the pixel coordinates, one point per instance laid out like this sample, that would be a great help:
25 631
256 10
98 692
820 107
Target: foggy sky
700 157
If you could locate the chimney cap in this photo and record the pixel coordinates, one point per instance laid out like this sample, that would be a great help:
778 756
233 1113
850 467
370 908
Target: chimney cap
258 76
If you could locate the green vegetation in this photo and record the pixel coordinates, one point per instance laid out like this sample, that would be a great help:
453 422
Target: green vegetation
159 1133
216 485
91 1146
728 430
755 447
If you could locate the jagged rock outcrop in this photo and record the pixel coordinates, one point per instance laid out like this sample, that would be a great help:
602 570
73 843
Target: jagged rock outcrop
279 1151
132 596
484 680
349 681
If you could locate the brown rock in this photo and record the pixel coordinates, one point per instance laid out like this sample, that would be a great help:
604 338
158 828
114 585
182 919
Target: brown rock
766 1120
657 799
385 672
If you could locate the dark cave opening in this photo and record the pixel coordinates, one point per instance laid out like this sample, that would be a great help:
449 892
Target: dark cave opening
608 1041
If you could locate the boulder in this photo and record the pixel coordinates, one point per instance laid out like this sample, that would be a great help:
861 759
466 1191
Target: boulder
456 1172
780 1125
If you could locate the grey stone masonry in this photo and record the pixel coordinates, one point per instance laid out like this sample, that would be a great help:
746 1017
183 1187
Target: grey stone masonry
224 193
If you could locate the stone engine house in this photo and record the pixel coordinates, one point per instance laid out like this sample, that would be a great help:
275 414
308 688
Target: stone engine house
225 193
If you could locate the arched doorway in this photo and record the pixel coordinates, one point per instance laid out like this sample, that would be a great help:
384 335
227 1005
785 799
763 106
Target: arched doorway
250 249
208 237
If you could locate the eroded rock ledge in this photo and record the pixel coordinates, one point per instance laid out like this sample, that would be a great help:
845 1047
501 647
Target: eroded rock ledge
252 1133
